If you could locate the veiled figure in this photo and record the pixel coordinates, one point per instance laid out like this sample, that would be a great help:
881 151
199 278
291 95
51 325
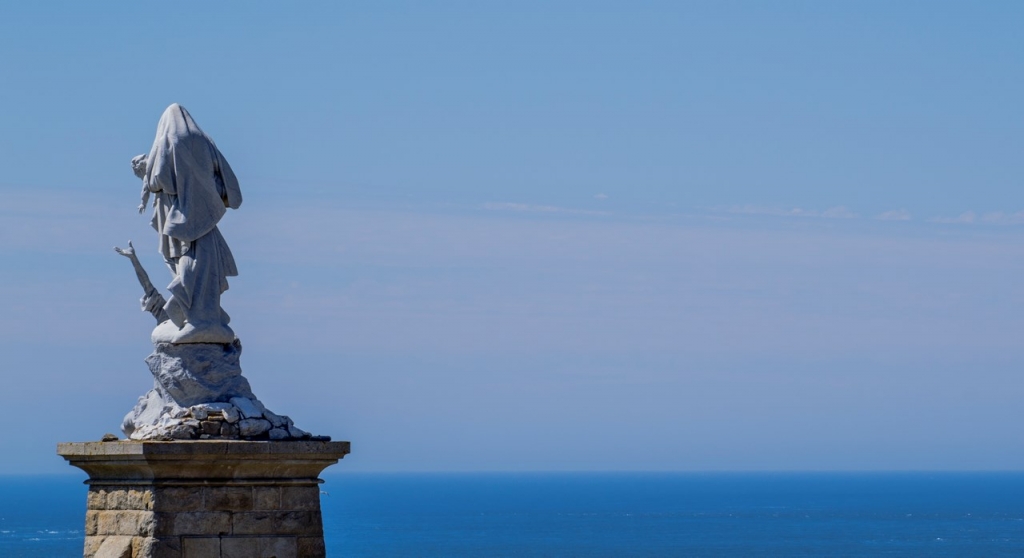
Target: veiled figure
193 186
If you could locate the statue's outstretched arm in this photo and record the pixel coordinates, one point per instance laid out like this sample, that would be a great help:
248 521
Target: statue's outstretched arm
152 302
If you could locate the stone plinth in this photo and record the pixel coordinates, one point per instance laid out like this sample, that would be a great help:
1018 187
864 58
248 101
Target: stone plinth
209 499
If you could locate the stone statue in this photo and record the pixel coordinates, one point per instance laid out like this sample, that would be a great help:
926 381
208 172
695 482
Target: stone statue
199 390
193 186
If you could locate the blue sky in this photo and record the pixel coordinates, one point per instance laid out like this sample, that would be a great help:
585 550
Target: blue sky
542 236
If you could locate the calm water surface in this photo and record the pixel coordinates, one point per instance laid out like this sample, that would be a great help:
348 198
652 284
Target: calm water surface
624 514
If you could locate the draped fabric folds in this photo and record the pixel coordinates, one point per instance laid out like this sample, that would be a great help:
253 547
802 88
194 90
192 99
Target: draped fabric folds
194 186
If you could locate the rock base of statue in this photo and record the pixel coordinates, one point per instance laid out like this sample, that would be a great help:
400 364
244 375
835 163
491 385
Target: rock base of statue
203 498
199 393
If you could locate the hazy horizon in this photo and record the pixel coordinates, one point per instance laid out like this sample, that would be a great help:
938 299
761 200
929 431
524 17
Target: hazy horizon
541 236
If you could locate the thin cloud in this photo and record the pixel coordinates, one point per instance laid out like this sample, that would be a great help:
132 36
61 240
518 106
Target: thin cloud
837 212
894 215
965 218
601 197
1000 218
774 211
990 218
529 208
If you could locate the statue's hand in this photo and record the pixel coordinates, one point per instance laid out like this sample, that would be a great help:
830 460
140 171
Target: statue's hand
139 165
126 252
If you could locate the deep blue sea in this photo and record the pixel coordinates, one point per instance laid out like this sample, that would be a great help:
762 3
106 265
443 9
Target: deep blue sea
620 514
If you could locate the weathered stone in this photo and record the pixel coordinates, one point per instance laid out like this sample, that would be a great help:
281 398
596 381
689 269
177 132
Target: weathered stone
296 432
228 430
140 498
276 420
92 545
165 524
92 518
200 547
311 547
279 547
107 523
302 498
248 407
143 547
125 522
204 410
202 523
181 432
189 380
169 547
253 427
97 499
278 434
178 499
266 498
252 523
216 498
211 427
239 547
228 498
130 498
117 500
298 523
115 547
145 523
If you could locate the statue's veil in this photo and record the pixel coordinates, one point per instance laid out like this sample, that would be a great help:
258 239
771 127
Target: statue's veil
186 164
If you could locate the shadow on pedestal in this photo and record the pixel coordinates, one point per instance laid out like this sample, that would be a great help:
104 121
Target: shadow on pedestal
209 499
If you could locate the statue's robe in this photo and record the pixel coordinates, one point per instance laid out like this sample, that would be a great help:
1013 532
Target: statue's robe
194 186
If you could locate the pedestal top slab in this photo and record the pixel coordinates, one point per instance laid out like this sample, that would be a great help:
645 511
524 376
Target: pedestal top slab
206 460
200 448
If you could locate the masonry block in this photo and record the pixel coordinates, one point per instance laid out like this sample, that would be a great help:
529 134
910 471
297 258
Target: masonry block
203 498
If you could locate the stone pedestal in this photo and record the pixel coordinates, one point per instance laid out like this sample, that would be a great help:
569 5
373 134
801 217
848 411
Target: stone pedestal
208 499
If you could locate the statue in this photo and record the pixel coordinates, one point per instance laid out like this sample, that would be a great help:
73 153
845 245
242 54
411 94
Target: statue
193 186
199 391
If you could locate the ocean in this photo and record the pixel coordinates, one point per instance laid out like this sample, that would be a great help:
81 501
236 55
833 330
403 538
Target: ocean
609 514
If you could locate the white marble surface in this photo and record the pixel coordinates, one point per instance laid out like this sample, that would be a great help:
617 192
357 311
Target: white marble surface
199 391
193 186
195 383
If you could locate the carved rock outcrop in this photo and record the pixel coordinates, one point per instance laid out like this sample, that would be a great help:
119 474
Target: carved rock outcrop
199 393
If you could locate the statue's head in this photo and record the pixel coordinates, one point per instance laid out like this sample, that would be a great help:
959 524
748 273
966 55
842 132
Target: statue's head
177 122
139 165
